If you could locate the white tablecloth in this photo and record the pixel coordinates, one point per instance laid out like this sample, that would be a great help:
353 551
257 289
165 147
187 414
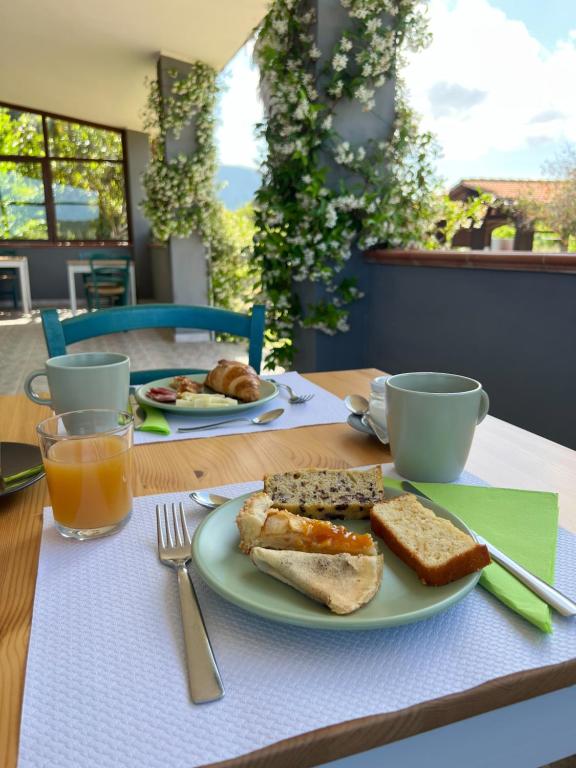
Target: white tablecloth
106 684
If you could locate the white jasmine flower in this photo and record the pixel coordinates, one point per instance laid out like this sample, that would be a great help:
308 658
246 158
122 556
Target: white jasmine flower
339 62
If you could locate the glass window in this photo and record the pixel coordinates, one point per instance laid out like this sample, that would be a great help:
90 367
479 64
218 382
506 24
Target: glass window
89 200
66 139
80 166
22 205
21 133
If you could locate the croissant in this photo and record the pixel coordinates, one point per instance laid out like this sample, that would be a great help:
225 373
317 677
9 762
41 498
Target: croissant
235 380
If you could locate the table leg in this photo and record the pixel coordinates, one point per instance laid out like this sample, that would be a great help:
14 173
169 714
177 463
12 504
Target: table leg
72 290
25 288
132 284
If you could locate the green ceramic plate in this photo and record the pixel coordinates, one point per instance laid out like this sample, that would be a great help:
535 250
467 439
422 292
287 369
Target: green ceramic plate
268 390
402 598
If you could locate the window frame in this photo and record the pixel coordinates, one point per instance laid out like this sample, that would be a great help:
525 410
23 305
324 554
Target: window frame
50 206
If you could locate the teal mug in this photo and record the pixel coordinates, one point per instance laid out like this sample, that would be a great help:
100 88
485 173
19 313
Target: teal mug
85 380
431 421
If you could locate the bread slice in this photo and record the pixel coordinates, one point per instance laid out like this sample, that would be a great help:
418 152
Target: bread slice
343 582
327 493
437 550
261 525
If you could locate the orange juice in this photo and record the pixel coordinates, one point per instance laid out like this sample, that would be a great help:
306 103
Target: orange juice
89 481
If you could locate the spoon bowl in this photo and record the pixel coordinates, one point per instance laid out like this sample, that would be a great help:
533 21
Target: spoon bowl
356 404
208 500
266 418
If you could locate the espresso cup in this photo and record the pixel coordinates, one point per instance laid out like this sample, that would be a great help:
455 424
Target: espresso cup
83 381
431 422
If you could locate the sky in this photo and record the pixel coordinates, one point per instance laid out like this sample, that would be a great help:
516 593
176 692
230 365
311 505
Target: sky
496 87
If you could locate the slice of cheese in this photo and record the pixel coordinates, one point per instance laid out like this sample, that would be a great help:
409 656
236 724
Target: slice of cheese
261 525
343 582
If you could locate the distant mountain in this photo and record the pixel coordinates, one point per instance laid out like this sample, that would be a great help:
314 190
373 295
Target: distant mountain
240 185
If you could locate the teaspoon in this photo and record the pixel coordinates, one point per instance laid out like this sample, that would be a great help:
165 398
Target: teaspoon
208 500
356 404
264 418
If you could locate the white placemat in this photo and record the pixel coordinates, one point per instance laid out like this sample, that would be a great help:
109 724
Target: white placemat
106 684
323 408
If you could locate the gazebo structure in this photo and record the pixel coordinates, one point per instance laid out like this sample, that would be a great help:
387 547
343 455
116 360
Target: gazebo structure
509 207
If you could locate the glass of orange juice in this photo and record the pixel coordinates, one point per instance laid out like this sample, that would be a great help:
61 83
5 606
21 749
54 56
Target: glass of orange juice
87 458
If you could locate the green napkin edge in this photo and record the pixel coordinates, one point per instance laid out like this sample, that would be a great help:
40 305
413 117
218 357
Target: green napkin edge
8 479
496 579
155 421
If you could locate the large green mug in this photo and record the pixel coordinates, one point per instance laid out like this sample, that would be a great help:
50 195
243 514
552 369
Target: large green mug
85 380
431 422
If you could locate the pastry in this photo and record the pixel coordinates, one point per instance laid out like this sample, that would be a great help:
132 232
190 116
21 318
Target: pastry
235 379
343 582
261 525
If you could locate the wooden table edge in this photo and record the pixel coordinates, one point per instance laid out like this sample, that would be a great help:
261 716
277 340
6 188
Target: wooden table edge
359 735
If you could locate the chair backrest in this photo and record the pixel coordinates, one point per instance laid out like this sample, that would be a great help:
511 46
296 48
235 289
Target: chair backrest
58 333
107 273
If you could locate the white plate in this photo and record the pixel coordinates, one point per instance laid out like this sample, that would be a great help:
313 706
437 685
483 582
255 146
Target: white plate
268 390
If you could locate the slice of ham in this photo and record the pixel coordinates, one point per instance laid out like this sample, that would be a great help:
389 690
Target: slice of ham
162 395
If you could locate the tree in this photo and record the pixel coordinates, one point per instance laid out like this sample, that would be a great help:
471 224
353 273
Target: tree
560 212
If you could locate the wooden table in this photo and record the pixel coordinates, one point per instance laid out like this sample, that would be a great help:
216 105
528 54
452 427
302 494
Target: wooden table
502 455
20 263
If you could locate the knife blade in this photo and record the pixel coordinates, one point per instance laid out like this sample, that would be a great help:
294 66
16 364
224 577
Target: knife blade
137 412
552 596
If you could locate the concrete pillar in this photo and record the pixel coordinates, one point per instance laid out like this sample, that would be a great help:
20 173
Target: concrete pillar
137 157
187 255
524 237
315 350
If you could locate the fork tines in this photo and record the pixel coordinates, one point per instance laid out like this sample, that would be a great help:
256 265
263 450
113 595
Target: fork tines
175 534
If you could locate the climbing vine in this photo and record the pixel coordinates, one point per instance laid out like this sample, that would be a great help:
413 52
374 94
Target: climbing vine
181 196
308 224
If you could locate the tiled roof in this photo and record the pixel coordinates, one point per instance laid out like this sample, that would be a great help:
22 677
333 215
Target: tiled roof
512 189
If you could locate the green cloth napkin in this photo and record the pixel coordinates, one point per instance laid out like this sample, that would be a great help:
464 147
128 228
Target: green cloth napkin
523 524
155 421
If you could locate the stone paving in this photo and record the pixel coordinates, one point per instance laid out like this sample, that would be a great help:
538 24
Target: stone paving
22 349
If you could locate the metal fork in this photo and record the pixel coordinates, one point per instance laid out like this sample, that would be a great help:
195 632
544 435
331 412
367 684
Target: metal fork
175 550
293 398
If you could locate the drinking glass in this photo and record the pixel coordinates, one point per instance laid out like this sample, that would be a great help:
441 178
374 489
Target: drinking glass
87 458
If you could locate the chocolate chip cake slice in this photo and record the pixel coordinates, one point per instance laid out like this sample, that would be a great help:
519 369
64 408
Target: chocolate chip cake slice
327 493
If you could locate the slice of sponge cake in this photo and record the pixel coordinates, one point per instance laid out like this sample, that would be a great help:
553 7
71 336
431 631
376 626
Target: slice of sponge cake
327 493
434 547
342 582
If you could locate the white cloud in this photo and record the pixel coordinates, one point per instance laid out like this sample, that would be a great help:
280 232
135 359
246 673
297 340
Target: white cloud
476 50
240 110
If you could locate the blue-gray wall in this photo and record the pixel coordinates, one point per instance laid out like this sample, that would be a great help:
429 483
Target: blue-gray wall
513 331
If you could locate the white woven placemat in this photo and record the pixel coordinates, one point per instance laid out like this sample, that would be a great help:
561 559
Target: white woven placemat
323 408
106 684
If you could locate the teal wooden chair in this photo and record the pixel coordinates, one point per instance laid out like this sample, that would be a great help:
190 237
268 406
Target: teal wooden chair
58 333
107 282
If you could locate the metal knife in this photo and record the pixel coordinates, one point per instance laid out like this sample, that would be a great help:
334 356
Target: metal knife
544 591
137 412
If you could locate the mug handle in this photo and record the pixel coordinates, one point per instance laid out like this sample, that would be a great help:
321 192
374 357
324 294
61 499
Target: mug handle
484 405
30 393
